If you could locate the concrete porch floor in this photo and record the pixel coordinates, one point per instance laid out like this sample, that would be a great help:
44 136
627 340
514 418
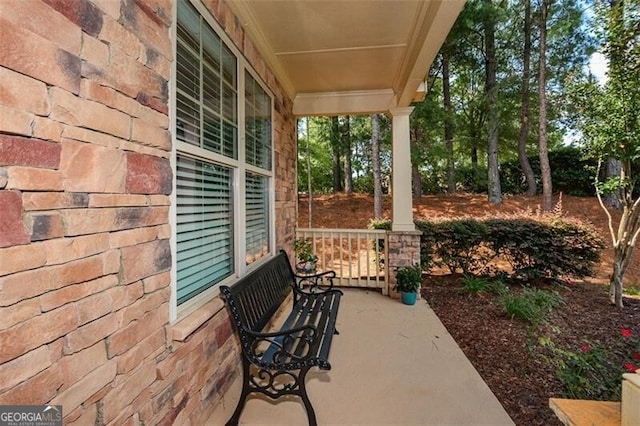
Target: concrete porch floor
391 365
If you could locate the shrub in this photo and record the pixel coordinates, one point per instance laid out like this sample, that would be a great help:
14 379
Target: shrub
455 244
546 247
532 306
534 246
474 285
571 172
586 373
472 179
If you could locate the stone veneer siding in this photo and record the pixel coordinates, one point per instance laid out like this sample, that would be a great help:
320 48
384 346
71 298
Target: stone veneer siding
85 183
404 250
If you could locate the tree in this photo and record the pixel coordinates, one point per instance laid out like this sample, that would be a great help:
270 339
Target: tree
545 169
491 90
611 125
336 142
348 174
309 180
527 171
377 175
448 121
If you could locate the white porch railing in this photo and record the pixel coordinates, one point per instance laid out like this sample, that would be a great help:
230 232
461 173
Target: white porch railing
358 256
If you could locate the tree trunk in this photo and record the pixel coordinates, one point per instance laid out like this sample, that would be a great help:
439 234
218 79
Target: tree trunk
335 148
474 151
448 122
309 187
491 90
613 169
616 283
348 177
525 166
377 175
416 181
545 168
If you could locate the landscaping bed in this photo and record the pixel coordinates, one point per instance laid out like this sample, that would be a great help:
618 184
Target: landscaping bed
506 351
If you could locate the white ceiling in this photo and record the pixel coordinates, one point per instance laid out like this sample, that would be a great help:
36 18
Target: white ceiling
348 56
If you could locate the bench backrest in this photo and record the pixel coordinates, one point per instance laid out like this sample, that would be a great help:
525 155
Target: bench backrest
257 296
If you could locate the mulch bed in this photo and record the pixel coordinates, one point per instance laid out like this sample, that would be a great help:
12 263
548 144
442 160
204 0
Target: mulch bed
499 347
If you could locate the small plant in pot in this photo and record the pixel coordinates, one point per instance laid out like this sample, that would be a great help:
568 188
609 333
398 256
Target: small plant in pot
408 280
304 253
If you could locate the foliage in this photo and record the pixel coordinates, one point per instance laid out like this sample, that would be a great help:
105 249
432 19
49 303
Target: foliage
586 373
318 133
475 285
593 371
408 279
546 247
571 172
632 290
304 250
472 179
534 246
457 243
610 122
532 306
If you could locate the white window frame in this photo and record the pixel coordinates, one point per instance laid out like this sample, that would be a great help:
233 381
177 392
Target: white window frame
239 171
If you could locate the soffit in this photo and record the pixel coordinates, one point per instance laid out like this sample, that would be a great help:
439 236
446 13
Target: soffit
348 56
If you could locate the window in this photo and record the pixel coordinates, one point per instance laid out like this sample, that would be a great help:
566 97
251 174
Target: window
204 225
258 154
222 198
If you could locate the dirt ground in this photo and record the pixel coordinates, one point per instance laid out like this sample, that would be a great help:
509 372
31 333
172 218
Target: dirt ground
502 349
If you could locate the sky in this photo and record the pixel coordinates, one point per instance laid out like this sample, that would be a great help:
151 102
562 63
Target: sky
598 67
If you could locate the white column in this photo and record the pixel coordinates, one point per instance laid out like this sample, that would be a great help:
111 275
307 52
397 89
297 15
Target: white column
401 171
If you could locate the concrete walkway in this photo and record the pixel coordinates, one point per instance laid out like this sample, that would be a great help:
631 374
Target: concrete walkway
391 365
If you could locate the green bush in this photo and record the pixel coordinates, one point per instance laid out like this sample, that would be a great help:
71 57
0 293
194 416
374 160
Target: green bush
474 285
534 247
532 306
571 173
588 373
470 179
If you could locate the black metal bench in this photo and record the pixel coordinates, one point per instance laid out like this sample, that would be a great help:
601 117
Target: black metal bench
275 363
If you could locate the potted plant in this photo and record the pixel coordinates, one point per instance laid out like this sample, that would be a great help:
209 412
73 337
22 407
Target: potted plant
304 252
408 280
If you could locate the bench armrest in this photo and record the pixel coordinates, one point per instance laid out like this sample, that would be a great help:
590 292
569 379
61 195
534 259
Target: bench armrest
317 283
282 333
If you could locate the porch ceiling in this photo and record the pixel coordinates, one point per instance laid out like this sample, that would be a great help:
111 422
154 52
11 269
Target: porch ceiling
348 56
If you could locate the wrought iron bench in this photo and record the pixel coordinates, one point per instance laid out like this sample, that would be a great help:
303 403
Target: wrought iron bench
275 363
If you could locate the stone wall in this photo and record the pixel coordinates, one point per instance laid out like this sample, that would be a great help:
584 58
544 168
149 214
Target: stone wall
85 182
404 250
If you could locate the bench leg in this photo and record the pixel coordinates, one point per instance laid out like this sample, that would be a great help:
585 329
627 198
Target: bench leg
311 415
235 417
